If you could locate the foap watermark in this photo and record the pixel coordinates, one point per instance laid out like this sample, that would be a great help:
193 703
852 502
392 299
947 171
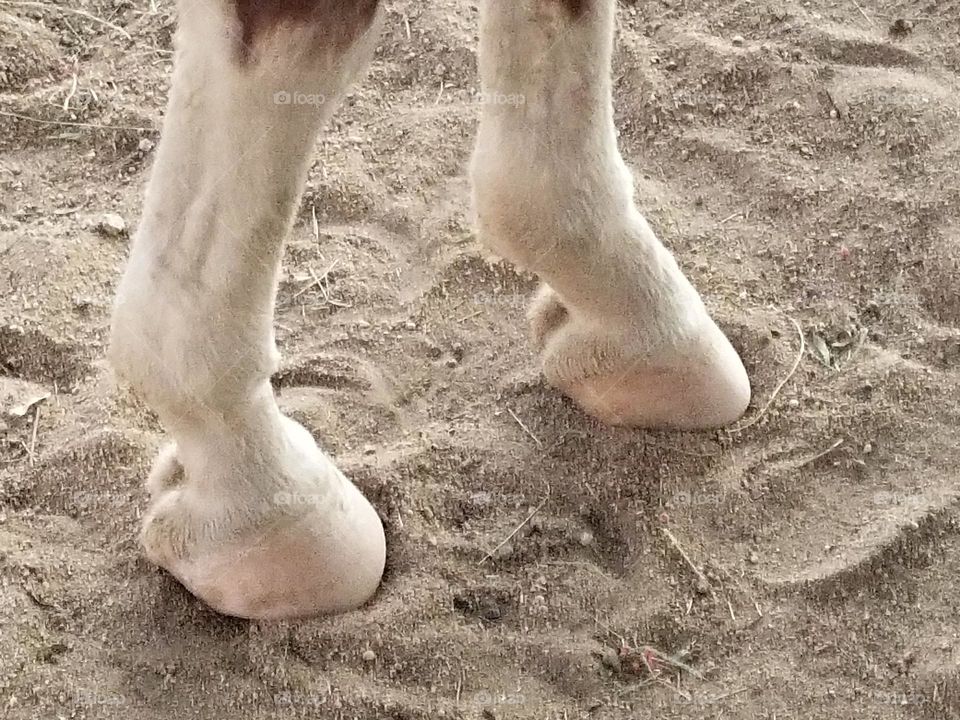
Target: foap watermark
894 697
293 499
489 698
85 697
302 700
688 498
481 97
285 97
889 497
497 98
83 500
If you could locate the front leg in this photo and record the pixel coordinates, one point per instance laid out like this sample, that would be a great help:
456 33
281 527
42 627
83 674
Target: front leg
245 510
618 326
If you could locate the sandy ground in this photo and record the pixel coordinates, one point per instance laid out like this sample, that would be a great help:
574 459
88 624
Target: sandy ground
800 158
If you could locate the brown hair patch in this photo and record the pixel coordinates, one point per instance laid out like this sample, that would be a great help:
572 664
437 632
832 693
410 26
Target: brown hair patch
336 21
576 8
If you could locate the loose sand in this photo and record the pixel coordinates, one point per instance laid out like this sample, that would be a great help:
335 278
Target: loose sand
802 161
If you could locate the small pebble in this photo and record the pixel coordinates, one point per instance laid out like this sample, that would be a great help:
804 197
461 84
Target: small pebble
901 27
586 538
754 558
491 613
481 500
610 659
112 225
738 40
369 656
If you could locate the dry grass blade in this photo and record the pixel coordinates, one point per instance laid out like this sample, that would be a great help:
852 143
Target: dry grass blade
863 12
686 558
776 391
33 436
821 454
517 529
669 661
525 428
72 11
67 123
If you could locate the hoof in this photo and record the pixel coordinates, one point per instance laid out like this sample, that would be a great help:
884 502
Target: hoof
617 374
302 541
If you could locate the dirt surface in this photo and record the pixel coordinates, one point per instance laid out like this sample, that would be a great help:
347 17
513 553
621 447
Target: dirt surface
800 158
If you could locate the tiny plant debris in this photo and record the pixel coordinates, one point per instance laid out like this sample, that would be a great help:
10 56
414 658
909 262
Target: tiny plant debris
648 662
21 410
821 350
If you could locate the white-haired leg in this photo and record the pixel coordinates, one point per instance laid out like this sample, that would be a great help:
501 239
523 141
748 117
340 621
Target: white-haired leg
246 511
619 327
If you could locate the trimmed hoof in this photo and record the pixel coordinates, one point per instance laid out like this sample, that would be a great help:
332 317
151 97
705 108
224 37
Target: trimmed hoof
619 376
310 545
